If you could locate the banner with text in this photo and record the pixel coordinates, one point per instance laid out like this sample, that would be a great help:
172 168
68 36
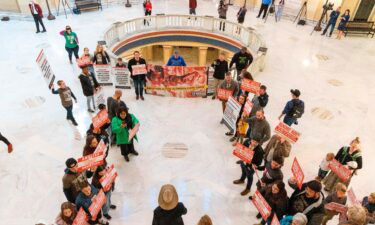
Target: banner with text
103 74
224 94
99 97
97 203
250 86
341 171
261 204
231 113
81 218
298 173
352 198
121 77
109 177
244 153
100 119
275 221
92 160
139 69
336 207
287 132
45 68
248 107
177 81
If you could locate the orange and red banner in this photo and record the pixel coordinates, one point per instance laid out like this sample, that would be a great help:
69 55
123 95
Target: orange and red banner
92 160
298 173
109 177
97 203
248 107
244 153
275 221
341 171
81 218
261 204
336 207
100 119
250 86
177 81
224 94
101 147
287 132
139 69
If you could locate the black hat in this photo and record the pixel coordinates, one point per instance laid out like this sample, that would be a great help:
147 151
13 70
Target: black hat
314 185
295 92
69 162
278 159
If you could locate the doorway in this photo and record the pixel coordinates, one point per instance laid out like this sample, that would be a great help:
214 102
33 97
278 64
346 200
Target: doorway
364 10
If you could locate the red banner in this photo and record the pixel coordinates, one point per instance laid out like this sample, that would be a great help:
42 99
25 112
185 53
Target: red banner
352 198
109 177
287 132
97 204
248 106
224 94
101 147
333 206
244 153
100 119
86 162
139 69
177 81
342 172
81 218
298 173
275 221
261 204
84 61
250 86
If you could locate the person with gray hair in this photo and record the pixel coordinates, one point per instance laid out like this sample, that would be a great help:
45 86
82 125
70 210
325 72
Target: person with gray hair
298 219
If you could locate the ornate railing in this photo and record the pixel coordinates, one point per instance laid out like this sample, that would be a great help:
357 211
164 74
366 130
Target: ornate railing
246 36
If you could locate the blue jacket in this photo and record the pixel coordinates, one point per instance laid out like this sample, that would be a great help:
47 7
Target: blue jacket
266 2
333 17
289 106
176 62
85 201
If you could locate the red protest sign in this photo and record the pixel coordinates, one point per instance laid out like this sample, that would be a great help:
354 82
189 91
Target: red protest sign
275 221
333 206
352 197
101 147
92 160
298 173
81 218
139 69
244 153
97 203
248 106
342 172
100 119
261 204
224 94
109 177
250 86
287 132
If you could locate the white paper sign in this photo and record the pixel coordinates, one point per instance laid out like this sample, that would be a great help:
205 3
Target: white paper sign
45 68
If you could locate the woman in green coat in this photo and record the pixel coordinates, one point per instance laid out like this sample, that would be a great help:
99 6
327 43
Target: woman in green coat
71 42
125 126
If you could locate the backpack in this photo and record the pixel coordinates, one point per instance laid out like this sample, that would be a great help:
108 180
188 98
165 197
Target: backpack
297 110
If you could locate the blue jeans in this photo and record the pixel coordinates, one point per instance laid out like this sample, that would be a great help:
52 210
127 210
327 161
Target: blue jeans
279 12
107 205
332 28
69 112
289 120
138 86
247 173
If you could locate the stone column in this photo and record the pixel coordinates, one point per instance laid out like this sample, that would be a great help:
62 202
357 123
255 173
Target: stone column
167 53
202 56
149 53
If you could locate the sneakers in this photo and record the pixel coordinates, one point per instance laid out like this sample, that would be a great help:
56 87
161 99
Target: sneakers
113 207
90 111
239 181
230 133
142 98
232 139
74 122
245 192
10 148
126 157
134 152
107 216
44 31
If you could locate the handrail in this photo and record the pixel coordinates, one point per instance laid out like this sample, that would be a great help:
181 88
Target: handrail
248 37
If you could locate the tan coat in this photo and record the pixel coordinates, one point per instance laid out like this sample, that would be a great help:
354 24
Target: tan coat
281 149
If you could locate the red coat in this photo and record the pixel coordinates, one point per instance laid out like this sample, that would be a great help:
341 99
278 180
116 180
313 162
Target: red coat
148 6
38 9
192 4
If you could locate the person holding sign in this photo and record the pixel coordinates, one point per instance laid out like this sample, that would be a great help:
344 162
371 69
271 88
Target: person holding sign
89 86
125 126
86 59
67 214
293 109
309 201
99 173
72 180
260 130
139 75
351 158
5 140
272 173
220 66
230 85
339 197
277 146
259 100
101 57
84 200
242 59
66 96
71 42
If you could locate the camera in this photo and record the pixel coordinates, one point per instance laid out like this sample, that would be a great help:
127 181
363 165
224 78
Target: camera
328 6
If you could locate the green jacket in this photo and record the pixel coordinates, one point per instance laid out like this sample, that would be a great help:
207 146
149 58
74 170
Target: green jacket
122 134
70 40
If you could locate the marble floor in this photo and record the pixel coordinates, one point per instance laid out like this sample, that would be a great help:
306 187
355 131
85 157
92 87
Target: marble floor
336 79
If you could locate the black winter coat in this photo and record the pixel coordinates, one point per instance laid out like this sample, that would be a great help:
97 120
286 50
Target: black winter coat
221 68
87 85
278 202
169 217
134 62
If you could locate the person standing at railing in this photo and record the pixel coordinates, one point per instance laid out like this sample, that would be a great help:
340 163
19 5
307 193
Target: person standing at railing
242 59
176 60
148 9
139 79
192 7
222 10
264 8
241 17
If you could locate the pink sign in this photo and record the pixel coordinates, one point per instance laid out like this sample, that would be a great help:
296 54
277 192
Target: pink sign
352 198
261 204
107 180
275 221
100 119
342 172
333 206
287 132
81 218
92 160
250 86
97 203
244 153
139 69
298 173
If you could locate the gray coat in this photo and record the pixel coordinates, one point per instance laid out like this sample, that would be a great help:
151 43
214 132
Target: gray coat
260 129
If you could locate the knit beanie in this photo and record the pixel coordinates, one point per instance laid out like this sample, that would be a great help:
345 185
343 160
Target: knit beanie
314 185
69 162
301 218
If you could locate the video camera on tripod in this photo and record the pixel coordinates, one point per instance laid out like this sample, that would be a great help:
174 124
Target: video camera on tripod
328 6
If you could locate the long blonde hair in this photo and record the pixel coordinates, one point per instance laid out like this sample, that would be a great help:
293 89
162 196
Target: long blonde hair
97 50
357 142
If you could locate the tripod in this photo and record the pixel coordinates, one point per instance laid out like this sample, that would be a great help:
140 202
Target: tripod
269 11
318 26
63 3
302 13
